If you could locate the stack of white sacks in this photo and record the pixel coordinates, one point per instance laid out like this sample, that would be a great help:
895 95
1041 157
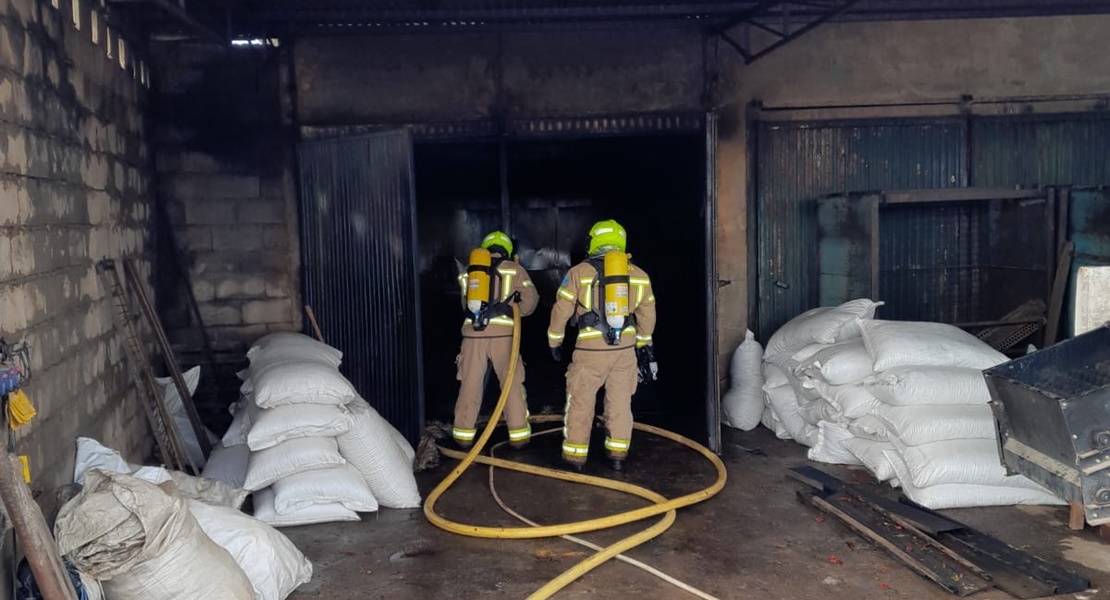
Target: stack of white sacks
907 400
304 442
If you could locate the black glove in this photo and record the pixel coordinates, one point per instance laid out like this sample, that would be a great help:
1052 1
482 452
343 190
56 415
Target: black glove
645 362
557 354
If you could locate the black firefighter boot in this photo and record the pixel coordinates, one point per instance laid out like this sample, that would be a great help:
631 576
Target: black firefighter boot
617 462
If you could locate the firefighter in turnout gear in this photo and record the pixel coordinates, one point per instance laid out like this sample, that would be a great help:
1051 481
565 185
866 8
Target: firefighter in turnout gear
614 307
489 287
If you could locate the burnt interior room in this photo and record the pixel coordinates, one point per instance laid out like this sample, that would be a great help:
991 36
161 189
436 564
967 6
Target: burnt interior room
554 190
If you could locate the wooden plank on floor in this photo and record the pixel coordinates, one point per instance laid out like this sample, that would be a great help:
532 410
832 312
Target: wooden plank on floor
918 553
1077 518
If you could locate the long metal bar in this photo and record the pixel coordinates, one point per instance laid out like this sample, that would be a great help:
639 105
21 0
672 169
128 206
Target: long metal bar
959 195
155 324
712 349
161 424
33 534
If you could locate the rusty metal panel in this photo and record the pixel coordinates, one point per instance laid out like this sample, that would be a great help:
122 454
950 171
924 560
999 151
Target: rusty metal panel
358 239
1036 150
800 162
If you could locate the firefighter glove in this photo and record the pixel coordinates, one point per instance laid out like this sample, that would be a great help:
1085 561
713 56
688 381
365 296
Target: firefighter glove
647 366
557 354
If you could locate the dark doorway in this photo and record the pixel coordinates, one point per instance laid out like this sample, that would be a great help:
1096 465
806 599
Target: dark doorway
653 185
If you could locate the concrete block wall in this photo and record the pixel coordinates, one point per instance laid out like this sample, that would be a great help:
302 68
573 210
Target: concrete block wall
74 189
221 154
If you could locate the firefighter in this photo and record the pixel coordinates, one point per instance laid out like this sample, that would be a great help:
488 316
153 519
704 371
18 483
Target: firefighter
614 306
491 285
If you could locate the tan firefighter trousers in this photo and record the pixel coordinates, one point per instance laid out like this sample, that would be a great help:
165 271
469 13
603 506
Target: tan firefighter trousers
474 359
589 370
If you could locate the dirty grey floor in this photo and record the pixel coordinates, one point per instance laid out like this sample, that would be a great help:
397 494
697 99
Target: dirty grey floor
754 540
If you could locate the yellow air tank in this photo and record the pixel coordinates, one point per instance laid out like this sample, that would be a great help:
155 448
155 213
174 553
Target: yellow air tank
616 289
477 281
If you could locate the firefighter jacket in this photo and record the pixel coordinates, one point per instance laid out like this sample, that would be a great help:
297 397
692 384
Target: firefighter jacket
577 296
509 279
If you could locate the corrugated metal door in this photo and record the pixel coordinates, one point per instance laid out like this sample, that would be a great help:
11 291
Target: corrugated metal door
1040 150
358 242
800 162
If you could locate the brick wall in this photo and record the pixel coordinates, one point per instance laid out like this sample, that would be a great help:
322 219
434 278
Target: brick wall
74 185
221 154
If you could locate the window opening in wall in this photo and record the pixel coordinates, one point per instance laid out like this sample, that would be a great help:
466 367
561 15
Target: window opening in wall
122 54
94 26
76 13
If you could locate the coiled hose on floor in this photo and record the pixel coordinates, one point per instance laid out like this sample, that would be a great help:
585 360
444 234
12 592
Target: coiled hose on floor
661 506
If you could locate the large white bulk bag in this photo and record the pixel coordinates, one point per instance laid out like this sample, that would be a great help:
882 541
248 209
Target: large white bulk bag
830 448
144 544
963 495
228 465
272 426
923 424
201 489
870 454
894 344
743 403
311 515
281 383
274 566
784 403
956 461
826 325
180 419
290 458
369 446
841 363
852 401
343 485
91 454
237 432
289 346
905 386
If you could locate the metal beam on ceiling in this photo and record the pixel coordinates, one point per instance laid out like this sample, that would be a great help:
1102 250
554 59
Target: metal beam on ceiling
772 24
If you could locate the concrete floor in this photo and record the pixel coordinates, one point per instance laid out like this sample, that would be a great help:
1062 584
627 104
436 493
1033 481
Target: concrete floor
754 540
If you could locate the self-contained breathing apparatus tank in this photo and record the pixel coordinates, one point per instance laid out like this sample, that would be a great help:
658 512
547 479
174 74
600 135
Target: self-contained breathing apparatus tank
614 281
478 286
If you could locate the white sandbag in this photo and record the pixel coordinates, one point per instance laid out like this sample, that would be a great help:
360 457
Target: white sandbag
829 446
180 419
201 489
962 495
771 422
403 443
841 363
228 465
236 434
894 344
870 454
853 401
826 325
743 403
144 544
869 427
804 355
929 385
274 566
805 389
341 484
281 383
815 411
289 346
956 461
290 458
91 454
774 376
784 403
272 426
317 513
385 467
923 424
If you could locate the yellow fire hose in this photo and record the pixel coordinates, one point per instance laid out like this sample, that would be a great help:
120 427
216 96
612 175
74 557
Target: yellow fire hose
662 506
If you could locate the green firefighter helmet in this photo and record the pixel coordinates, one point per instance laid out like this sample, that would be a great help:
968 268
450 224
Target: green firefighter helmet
607 234
498 239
